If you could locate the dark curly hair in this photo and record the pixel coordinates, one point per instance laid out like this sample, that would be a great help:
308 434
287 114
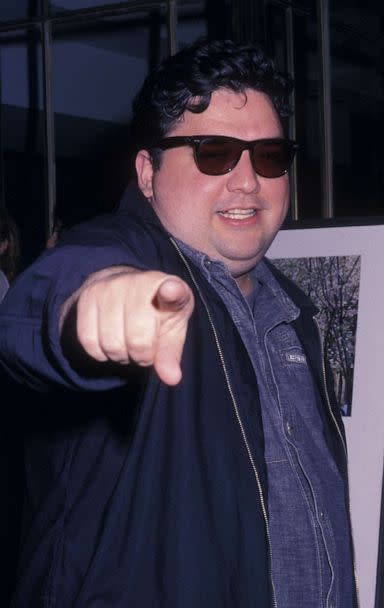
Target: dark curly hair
186 81
10 259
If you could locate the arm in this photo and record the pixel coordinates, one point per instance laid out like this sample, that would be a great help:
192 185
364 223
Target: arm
31 342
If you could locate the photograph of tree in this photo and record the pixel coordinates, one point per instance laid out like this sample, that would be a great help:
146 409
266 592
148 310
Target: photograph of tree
333 285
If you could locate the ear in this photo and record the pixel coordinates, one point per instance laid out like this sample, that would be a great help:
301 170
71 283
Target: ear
144 170
4 246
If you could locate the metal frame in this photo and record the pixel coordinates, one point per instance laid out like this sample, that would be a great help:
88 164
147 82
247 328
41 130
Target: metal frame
77 15
292 124
49 121
44 25
46 22
325 109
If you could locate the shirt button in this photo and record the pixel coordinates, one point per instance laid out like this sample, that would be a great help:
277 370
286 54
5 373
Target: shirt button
289 428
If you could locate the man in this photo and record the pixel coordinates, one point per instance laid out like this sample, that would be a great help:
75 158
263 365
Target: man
186 453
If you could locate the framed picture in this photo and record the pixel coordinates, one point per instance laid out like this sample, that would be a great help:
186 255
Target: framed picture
342 269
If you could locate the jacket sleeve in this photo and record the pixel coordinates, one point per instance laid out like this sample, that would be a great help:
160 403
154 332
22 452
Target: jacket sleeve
30 348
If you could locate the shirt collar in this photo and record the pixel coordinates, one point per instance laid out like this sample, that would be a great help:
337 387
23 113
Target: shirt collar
261 275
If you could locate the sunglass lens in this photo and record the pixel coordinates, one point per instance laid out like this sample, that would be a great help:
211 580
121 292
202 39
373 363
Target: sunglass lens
218 155
215 156
272 159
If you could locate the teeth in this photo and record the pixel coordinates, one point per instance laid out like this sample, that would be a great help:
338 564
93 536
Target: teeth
238 214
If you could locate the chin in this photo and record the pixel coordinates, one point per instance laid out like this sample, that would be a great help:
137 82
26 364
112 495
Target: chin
239 267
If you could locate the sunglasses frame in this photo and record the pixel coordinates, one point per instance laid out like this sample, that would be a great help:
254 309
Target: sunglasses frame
195 141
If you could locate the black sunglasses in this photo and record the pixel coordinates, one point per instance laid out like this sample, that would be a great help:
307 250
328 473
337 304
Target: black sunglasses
218 154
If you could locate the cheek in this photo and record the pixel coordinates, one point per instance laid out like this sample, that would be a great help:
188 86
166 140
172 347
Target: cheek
176 201
168 189
279 194
185 191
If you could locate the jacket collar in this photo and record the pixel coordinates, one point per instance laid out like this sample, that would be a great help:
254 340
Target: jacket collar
134 202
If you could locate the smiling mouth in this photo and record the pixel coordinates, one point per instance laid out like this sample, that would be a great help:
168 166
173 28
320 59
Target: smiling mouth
238 214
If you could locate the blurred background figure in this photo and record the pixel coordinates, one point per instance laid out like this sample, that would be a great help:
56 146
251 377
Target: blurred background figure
9 251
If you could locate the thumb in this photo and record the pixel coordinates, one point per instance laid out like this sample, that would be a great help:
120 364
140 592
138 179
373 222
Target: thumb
173 295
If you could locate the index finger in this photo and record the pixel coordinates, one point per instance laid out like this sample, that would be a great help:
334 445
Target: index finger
172 295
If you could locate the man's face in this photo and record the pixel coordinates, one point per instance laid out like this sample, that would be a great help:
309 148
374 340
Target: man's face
232 217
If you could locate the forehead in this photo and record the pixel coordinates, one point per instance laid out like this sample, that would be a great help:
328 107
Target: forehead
247 115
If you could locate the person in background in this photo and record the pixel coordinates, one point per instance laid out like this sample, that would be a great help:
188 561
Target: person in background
9 251
184 448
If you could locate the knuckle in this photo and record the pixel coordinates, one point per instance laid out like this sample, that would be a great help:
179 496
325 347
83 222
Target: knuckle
114 348
140 351
137 342
91 346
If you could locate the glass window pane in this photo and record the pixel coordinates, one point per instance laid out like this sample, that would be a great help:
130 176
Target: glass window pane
357 107
306 74
98 67
23 136
18 9
192 21
306 111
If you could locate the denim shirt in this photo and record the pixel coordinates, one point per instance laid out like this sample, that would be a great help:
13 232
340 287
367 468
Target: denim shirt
308 521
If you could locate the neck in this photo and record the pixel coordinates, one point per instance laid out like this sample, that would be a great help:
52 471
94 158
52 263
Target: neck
245 283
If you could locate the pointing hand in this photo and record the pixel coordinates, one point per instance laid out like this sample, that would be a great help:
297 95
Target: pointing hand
125 315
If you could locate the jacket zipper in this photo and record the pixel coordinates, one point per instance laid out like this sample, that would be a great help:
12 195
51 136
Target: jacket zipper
345 452
238 417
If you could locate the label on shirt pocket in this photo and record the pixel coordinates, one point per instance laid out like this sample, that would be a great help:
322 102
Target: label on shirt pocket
295 356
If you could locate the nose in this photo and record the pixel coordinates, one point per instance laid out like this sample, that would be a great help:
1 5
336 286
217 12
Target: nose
243 177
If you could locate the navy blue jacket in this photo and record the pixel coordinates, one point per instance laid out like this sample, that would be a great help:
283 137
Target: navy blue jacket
137 493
